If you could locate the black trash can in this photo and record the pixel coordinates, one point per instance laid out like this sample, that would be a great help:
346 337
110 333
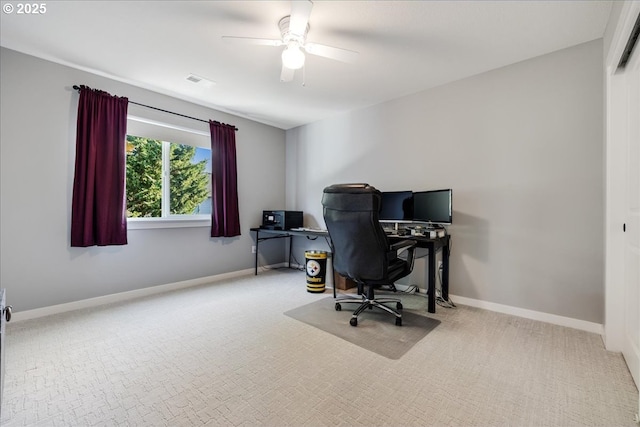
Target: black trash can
316 267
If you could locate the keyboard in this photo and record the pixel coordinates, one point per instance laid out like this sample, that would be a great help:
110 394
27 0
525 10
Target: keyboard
313 230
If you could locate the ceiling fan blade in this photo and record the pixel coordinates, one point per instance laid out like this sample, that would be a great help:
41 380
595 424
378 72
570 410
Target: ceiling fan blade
330 52
300 12
286 75
251 40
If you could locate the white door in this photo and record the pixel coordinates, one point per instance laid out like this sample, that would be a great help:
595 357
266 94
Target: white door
631 344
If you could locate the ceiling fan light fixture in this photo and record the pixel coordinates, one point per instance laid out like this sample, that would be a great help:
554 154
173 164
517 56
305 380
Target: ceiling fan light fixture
292 57
294 29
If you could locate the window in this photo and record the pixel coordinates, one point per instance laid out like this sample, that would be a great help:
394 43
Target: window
168 183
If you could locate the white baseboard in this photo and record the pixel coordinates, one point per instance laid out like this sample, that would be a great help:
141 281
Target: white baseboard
124 296
554 319
583 325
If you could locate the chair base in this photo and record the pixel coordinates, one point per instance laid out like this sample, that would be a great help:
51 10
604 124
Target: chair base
370 303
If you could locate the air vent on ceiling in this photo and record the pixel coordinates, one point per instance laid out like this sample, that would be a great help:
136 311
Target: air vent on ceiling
200 80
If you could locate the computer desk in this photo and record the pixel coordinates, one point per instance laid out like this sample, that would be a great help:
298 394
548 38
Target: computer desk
433 245
280 234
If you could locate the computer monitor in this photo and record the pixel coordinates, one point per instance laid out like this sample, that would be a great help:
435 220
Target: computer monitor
396 206
433 206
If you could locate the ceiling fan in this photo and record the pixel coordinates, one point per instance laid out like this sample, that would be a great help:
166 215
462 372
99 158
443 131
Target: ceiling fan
294 29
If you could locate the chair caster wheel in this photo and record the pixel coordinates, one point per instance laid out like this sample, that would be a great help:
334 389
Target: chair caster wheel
399 306
353 321
338 307
398 321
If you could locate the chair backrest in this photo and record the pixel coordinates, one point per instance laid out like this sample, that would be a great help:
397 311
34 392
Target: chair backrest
359 244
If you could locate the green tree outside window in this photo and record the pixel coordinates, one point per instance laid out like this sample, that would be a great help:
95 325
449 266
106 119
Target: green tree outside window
188 180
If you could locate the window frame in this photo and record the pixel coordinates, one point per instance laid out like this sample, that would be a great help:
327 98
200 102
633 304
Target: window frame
168 220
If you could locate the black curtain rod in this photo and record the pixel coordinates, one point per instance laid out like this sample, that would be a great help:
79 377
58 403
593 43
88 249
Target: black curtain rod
76 87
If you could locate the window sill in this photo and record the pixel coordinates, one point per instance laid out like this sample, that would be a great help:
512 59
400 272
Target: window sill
174 222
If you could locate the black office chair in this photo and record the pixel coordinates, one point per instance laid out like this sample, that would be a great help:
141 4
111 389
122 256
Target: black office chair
360 247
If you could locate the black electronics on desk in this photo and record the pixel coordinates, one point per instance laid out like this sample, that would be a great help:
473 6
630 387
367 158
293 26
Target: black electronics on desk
396 205
433 206
281 220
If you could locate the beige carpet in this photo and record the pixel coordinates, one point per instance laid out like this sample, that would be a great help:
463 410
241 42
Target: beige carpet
226 355
376 330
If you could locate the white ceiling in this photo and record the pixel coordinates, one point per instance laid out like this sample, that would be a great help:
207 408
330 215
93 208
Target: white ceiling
405 47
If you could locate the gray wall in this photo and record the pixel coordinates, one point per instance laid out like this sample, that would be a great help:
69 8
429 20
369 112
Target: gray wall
614 16
522 148
38 267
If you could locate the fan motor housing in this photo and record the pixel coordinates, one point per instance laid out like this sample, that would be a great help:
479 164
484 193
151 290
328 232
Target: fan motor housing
283 24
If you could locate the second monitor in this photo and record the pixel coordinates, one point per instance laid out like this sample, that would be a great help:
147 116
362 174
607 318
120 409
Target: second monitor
396 206
434 206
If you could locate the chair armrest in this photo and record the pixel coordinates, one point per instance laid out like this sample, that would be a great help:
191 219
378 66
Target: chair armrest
409 244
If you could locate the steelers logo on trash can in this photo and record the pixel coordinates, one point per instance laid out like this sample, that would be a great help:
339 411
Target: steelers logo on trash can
313 268
316 265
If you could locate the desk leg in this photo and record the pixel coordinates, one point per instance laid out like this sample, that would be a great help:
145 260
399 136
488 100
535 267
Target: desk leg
445 271
431 287
255 265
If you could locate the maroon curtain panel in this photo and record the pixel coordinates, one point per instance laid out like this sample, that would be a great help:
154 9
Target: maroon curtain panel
225 217
98 212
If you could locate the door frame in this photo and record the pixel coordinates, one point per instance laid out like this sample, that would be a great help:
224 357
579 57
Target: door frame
615 181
